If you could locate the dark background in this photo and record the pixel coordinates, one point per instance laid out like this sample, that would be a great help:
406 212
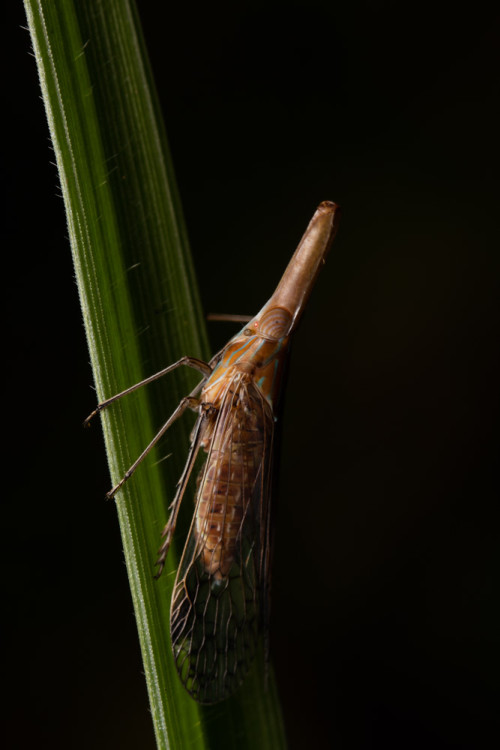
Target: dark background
386 624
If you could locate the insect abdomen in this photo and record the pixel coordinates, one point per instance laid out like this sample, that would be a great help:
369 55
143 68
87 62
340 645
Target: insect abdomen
226 488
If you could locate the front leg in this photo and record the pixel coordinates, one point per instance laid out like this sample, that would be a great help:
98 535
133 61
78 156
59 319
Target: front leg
196 364
187 402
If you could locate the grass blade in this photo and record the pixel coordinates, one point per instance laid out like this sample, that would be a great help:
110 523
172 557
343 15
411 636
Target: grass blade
141 311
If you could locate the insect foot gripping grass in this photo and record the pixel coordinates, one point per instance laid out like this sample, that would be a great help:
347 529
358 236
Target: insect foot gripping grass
220 602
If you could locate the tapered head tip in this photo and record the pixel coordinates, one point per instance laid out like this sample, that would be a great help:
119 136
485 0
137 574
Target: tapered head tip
329 207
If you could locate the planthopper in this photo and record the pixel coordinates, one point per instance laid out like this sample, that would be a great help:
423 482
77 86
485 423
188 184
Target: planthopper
220 601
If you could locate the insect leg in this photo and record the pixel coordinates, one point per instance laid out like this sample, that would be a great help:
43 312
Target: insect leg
229 318
196 364
187 402
169 529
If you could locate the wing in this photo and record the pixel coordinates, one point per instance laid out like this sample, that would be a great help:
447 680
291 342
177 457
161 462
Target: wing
220 599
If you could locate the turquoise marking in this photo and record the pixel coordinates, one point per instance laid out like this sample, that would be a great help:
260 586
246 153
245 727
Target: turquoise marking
211 381
241 349
273 384
275 353
239 354
260 346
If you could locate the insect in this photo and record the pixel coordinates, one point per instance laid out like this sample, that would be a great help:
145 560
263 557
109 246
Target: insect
220 601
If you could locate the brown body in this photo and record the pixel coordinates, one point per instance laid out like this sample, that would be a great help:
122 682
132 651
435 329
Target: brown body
221 594
230 475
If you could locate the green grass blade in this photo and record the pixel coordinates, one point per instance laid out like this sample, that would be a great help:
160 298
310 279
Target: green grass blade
141 311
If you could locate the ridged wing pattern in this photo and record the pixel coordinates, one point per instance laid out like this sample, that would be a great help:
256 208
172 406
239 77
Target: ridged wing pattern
220 596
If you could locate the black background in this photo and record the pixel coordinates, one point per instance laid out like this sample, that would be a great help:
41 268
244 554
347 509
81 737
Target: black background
385 629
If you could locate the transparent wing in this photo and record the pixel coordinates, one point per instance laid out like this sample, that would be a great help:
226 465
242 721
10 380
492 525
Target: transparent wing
220 599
